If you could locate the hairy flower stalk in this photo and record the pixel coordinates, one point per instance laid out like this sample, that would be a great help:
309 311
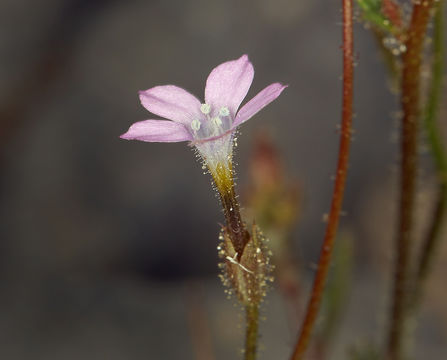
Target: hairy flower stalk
223 179
210 127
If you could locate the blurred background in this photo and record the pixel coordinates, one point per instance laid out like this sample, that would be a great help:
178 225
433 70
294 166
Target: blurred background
108 247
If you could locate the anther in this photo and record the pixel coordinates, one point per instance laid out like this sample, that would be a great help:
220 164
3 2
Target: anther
195 125
224 111
216 121
205 109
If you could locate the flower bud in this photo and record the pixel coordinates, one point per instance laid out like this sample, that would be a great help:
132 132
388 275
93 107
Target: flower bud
247 275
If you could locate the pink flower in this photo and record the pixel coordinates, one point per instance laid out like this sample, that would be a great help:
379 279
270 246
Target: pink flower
209 126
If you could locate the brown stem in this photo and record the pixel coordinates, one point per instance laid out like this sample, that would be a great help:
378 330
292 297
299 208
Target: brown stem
235 225
410 100
239 235
393 12
339 187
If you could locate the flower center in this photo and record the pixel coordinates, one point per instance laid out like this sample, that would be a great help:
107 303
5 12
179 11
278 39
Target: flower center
210 126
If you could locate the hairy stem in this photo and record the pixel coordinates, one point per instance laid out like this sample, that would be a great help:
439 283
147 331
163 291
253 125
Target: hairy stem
410 100
339 187
239 237
223 178
251 331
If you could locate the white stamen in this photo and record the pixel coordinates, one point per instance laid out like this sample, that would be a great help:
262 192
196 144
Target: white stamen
205 109
224 111
195 125
216 121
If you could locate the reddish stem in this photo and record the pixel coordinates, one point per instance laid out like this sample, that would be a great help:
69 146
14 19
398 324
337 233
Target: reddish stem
339 187
393 12
410 99
235 225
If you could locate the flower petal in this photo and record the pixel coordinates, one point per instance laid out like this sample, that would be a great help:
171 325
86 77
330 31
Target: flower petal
228 84
262 99
171 102
157 131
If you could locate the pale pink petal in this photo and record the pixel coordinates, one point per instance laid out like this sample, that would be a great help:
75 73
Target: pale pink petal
261 100
157 131
228 84
171 102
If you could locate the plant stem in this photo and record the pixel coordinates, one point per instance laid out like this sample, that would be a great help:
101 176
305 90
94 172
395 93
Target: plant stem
223 178
432 240
239 237
339 187
438 152
251 331
410 100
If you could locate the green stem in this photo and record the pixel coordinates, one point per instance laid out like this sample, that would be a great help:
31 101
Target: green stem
239 237
432 241
434 139
410 99
433 102
251 332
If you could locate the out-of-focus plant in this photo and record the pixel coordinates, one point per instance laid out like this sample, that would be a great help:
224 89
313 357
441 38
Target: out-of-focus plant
273 199
384 15
406 57
437 148
364 352
336 296
385 19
